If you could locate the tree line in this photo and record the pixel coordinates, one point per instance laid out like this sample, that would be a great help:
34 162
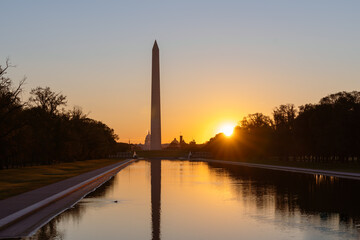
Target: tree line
328 131
41 131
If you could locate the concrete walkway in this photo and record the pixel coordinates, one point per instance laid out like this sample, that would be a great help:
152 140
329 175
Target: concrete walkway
348 175
23 214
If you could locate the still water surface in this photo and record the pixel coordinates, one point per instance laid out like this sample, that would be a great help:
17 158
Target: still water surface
198 200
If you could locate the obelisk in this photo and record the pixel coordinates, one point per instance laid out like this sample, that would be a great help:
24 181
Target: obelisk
155 143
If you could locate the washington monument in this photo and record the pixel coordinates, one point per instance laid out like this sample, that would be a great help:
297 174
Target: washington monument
155 142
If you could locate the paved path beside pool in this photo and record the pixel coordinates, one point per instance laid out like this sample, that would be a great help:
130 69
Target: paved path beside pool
23 214
347 175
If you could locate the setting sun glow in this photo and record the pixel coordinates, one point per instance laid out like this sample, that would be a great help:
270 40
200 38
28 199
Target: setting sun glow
227 129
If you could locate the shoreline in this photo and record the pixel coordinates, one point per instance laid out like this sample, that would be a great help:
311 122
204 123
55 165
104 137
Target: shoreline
339 174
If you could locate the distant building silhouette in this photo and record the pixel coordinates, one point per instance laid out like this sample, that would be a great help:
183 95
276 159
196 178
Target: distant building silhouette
147 142
181 139
174 144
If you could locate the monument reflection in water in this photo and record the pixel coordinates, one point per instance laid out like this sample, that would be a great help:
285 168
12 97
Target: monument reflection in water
198 200
155 198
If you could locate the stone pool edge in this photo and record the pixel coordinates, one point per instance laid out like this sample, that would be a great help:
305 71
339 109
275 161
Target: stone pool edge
347 175
27 211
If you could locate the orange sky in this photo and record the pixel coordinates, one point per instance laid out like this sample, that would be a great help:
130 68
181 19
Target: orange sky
220 60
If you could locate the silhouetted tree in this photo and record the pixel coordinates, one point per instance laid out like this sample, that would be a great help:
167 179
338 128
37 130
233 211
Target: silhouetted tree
39 132
47 100
256 134
325 132
329 131
10 115
284 118
246 142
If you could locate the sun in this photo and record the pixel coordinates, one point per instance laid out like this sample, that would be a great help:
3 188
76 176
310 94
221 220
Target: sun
227 129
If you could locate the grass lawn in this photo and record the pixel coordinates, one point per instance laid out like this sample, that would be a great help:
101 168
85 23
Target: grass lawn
20 180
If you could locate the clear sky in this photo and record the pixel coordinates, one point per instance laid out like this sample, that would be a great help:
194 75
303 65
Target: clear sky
220 60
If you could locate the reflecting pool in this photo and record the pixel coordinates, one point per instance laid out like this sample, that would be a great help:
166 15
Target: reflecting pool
171 199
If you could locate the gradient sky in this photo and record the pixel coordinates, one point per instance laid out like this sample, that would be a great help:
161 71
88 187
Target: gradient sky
220 60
